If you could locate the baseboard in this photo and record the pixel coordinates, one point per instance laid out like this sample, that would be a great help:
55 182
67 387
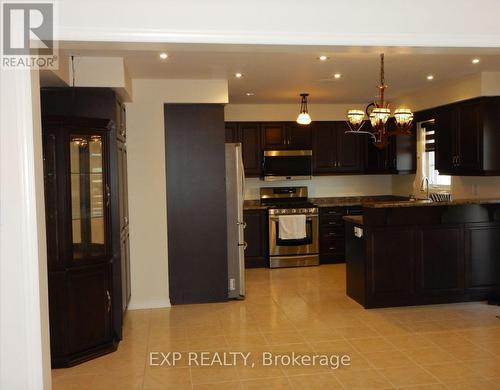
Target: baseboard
154 304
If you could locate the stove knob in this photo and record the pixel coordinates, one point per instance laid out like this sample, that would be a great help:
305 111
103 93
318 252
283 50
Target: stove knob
294 211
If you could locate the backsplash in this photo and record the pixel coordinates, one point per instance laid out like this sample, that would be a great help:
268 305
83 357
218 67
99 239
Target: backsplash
461 186
328 186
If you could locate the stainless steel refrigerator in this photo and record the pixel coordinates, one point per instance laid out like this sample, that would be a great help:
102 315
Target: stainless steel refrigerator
235 187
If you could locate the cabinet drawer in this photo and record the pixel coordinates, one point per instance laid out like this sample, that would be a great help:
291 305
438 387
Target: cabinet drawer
332 246
331 233
332 223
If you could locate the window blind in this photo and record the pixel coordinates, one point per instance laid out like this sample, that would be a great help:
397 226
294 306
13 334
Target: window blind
430 136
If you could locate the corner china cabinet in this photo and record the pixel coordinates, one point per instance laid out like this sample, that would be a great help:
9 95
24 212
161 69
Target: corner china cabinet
87 222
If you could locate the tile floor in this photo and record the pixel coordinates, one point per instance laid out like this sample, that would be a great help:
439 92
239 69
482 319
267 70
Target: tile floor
303 310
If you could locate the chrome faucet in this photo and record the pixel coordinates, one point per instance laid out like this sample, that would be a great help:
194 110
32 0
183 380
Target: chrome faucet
425 186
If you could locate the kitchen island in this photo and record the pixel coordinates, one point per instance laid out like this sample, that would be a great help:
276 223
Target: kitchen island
402 253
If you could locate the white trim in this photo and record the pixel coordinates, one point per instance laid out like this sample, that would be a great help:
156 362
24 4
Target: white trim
149 304
24 356
278 38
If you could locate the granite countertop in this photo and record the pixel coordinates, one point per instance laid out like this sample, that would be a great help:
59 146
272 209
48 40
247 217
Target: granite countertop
333 201
427 203
355 219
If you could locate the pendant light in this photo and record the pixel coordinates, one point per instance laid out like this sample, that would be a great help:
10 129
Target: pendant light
304 118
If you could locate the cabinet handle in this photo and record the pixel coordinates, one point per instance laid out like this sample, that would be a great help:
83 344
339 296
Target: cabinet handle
108 195
244 224
108 296
244 245
332 248
332 234
332 223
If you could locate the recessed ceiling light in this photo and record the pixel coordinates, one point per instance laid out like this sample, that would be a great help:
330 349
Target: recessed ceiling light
250 93
238 75
322 58
430 77
163 56
337 76
476 61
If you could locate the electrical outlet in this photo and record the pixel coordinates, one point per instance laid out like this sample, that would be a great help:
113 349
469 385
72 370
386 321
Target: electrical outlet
232 284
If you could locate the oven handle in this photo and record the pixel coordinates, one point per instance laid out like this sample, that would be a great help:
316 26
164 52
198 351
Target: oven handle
308 218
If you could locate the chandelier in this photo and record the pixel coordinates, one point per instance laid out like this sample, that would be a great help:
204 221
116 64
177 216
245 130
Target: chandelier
379 113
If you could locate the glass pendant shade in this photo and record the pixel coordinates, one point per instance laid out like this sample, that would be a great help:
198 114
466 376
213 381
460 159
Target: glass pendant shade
403 117
379 116
304 118
355 117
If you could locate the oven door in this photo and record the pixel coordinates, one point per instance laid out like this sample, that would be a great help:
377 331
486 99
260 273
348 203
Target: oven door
307 245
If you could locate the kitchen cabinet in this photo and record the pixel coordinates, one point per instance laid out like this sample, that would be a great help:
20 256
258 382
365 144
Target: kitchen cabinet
440 264
390 264
285 135
423 255
256 237
86 207
249 134
380 161
482 248
334 151
332 232
468 137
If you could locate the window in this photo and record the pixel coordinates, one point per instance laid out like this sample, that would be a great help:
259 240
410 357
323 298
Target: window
429 158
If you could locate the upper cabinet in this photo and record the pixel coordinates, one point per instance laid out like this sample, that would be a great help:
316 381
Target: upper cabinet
468 137
249 134
285 135
334 151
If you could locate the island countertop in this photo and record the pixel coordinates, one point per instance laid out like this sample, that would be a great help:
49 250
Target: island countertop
430 203
355 219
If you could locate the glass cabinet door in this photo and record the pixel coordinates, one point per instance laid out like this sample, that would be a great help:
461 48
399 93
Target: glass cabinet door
89 196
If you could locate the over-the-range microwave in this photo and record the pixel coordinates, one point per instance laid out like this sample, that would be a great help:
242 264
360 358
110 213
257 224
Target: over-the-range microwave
287 165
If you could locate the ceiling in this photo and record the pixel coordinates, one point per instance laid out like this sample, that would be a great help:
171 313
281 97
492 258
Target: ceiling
277 74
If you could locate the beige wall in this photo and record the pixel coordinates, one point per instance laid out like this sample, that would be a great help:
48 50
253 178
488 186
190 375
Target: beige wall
286 112
147 180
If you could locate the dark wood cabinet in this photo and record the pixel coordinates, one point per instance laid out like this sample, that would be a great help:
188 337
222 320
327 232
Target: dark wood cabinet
249 134
87 210
88 302
394 251
440 265
381 161
332 232
334 151
256 237
424 255
467 133
299 136
274 136
482 254
196 203
285 135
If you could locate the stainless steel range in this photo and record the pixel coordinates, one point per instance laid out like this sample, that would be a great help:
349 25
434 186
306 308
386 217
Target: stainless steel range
300 247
